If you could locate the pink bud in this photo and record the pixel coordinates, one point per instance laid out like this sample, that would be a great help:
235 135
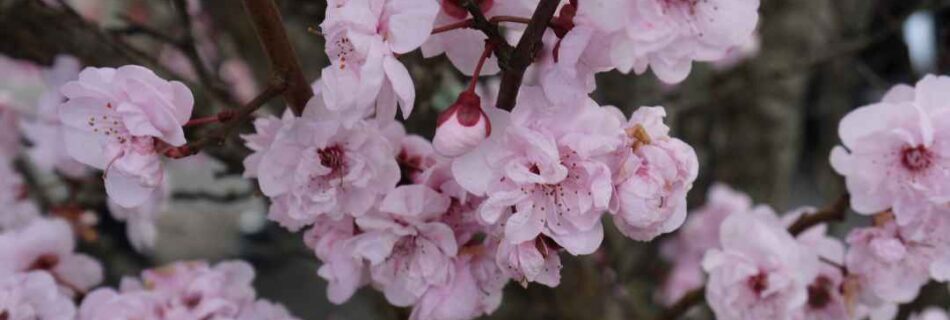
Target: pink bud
461 127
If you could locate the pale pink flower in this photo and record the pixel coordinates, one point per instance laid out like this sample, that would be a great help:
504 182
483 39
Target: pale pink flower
700 233
33 295
114 120
240 77
549 165
18 210
535 260
48 245
265 131
467 295
408 249
932 313
654 175
826 299
668 35
317 166
886 265
363 38
464 46
894 152
761 271
461 127
333 242
184 290
140 220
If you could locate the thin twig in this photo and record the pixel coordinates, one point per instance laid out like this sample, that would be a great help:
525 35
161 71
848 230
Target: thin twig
503 50
470 22
833 212
212 197
217 136
524 54
283 58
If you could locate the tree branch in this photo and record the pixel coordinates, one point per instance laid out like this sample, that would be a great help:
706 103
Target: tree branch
278 85
524 54
283 58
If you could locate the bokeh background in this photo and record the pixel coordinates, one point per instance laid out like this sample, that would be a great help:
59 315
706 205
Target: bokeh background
763 123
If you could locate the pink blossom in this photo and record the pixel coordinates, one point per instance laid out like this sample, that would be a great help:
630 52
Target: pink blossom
534 260
894 152
464 46
334 242
667 36
33 295
183 290
826 298
698 234
548 166
18 210
932 313
761 271
140 220
44 131
48 245
408 249
474 289
240 77
656 171
115 118
265 131
317 166
887 266
461 127
363 38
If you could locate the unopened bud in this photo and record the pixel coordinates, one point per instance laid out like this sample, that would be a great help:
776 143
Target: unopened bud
461 127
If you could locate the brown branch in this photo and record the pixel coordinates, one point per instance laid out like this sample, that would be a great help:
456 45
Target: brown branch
217 136
833 212
503 50
524 54
469 23
283 58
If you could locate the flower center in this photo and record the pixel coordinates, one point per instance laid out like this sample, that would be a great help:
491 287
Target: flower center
4 315
45 262
916 158
332 157
344 49
109 125
819 292
758 283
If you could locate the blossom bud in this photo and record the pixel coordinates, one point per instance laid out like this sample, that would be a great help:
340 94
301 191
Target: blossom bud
461 127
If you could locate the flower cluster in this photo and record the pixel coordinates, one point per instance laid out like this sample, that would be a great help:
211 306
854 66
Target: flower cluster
896 167
184 290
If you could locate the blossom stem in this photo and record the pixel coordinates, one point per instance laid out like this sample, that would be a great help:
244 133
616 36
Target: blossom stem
222 116
478 67
277 87
470 23
833 212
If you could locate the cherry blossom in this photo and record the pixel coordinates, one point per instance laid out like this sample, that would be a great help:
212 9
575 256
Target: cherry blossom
140 220
534 260
18 210
894 152
117 120
888 267
48 245
184 290
363 38
44 130
548 164
932 313
667 36
654 175
699 234
317 166
334 243
826 298
408 248
33 295
761 271
474 288
265 131
461 127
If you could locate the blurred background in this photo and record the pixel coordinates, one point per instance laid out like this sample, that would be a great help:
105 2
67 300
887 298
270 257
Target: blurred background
763 121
